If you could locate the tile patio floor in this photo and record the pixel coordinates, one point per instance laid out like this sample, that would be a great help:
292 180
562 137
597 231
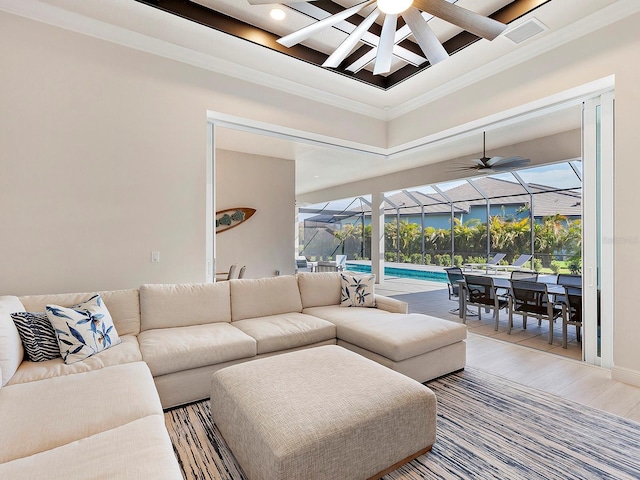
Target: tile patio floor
431 298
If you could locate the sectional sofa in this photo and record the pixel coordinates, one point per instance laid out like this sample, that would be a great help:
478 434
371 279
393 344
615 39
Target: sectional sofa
103 416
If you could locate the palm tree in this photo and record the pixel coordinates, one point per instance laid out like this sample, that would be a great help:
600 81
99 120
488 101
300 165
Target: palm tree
346 231
409 232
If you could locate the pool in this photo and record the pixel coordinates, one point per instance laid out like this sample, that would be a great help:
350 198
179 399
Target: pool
402 272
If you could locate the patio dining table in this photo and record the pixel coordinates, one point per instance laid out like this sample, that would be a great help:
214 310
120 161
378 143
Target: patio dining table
505 283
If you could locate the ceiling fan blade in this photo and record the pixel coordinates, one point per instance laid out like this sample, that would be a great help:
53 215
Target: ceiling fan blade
479 163
495 161
510 163
475 23
429 43
351 41
304 33
385 46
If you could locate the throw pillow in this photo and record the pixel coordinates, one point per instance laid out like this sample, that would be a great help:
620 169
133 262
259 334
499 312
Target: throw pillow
357 290
37 335
83 330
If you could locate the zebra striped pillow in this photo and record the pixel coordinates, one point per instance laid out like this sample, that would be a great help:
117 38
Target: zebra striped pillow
37 335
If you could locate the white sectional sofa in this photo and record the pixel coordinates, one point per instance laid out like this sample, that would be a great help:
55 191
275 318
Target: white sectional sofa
65 419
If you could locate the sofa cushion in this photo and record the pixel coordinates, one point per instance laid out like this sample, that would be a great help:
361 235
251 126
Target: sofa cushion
264 296
182 305
127 352
39 416
287 330
84 330
319 289
123 305
139 449
11 350
177 349
38 337
399 337
357 290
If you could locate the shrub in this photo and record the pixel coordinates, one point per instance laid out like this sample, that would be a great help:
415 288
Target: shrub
390 256
458 260
416 258
403 258
575 266
442 260
555 267
427 258
537 264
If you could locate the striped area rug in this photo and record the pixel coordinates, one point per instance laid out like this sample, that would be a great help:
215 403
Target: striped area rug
488 428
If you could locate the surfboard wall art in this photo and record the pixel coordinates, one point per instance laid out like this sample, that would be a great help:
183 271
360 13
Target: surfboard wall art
232 217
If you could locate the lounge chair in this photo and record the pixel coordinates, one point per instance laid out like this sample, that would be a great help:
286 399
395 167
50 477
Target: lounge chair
517 265
302 264
489 265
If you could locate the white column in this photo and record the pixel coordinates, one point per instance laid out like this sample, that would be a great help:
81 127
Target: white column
377 236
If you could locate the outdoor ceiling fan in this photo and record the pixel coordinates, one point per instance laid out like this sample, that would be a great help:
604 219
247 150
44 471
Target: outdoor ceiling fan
496 164
410 10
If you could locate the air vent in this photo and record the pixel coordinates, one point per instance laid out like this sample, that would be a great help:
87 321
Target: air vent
526 30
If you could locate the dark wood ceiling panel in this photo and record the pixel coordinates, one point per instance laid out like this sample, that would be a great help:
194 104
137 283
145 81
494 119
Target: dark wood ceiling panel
224 23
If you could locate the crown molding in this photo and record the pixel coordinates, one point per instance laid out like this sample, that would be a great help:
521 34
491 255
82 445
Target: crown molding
44 12
78 23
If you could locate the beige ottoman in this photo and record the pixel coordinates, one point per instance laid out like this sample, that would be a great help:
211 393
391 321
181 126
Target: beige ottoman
322 413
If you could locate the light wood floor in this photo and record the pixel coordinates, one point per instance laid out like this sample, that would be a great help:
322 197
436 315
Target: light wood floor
524 359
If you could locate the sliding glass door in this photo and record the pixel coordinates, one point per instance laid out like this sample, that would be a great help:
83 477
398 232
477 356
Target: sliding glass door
598 229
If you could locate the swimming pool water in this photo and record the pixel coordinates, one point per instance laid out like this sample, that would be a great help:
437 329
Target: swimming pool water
402 272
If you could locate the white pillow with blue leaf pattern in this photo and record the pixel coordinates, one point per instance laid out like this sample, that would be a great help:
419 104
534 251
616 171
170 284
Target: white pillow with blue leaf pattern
83 330
357 290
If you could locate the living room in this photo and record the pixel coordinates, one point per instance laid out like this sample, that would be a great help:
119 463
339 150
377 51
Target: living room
105 141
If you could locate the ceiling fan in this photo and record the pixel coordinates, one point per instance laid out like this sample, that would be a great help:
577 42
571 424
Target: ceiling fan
496 164
411 12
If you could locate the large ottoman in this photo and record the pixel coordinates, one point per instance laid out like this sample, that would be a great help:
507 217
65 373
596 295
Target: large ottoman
322 413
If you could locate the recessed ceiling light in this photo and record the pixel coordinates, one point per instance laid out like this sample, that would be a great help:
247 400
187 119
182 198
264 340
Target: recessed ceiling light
278 14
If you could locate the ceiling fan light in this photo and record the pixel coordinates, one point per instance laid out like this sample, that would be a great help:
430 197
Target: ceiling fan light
394 6
277 14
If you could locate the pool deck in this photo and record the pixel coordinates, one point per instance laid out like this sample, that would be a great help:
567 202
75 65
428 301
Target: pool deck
432 298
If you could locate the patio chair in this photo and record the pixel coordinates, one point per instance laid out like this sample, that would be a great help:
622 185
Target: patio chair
454 275
516 265
519 275
229 275
337 265
532 299
241 272
491 263
524 275
572 312
569 280
481 292
302 264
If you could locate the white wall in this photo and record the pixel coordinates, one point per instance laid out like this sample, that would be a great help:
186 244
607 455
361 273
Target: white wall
265 242
103 158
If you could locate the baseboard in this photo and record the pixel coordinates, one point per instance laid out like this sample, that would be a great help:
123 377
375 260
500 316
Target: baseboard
626 375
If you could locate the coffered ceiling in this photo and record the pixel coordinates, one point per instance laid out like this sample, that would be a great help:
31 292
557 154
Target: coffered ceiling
254 23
